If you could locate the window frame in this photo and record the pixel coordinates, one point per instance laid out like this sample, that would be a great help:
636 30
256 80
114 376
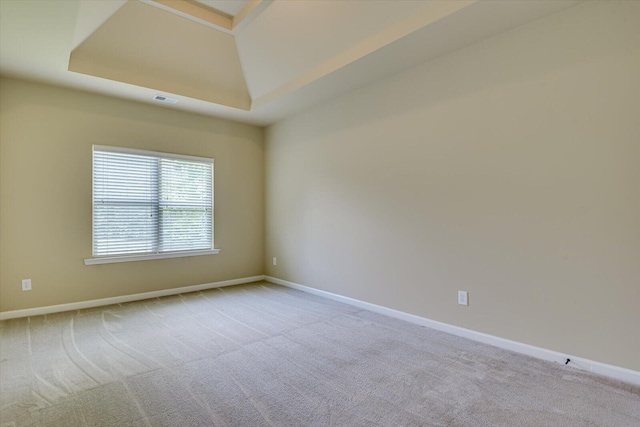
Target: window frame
107 259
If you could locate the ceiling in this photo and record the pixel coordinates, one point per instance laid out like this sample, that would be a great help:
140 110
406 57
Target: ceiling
255 61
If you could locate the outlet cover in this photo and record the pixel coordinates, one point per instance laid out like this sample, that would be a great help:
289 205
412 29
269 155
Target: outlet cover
463 298
26 284
275 261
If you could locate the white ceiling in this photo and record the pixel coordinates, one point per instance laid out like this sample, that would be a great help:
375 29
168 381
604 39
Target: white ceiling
285 56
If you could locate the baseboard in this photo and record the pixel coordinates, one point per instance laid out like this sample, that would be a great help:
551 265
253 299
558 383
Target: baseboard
610 371
124 298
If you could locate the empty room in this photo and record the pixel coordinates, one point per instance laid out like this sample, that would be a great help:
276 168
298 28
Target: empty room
319 213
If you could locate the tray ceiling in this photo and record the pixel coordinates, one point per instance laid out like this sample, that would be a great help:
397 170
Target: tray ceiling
255 61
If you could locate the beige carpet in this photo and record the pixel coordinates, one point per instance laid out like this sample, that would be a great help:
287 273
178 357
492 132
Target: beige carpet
264 355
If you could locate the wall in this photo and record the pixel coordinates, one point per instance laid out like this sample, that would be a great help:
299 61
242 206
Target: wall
46 134
510 169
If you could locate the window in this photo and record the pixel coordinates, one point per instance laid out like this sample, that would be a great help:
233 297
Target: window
150 205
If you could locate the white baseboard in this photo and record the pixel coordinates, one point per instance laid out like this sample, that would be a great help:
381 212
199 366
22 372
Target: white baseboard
124 298
581 363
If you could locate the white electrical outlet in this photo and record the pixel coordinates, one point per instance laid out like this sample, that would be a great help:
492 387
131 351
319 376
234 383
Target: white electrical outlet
275 261
26 284
463 297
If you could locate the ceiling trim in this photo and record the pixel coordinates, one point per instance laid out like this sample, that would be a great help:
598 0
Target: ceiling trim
211 17
196 12
248 14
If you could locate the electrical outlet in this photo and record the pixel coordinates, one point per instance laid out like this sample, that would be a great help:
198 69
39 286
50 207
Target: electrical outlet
26 284
275 261
463 297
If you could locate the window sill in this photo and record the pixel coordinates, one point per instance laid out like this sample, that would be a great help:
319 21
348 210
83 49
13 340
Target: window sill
129 258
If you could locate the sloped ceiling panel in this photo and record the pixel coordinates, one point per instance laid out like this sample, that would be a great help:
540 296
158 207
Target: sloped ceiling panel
146 46
290 38
91 15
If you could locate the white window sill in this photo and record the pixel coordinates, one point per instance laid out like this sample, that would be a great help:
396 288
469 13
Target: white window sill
129 258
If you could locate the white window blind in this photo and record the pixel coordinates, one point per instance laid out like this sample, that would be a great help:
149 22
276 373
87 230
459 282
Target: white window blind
146 202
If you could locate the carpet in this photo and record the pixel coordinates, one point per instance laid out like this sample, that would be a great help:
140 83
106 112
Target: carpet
265 355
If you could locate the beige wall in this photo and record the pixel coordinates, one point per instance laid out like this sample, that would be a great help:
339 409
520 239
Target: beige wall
510 169
46 134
